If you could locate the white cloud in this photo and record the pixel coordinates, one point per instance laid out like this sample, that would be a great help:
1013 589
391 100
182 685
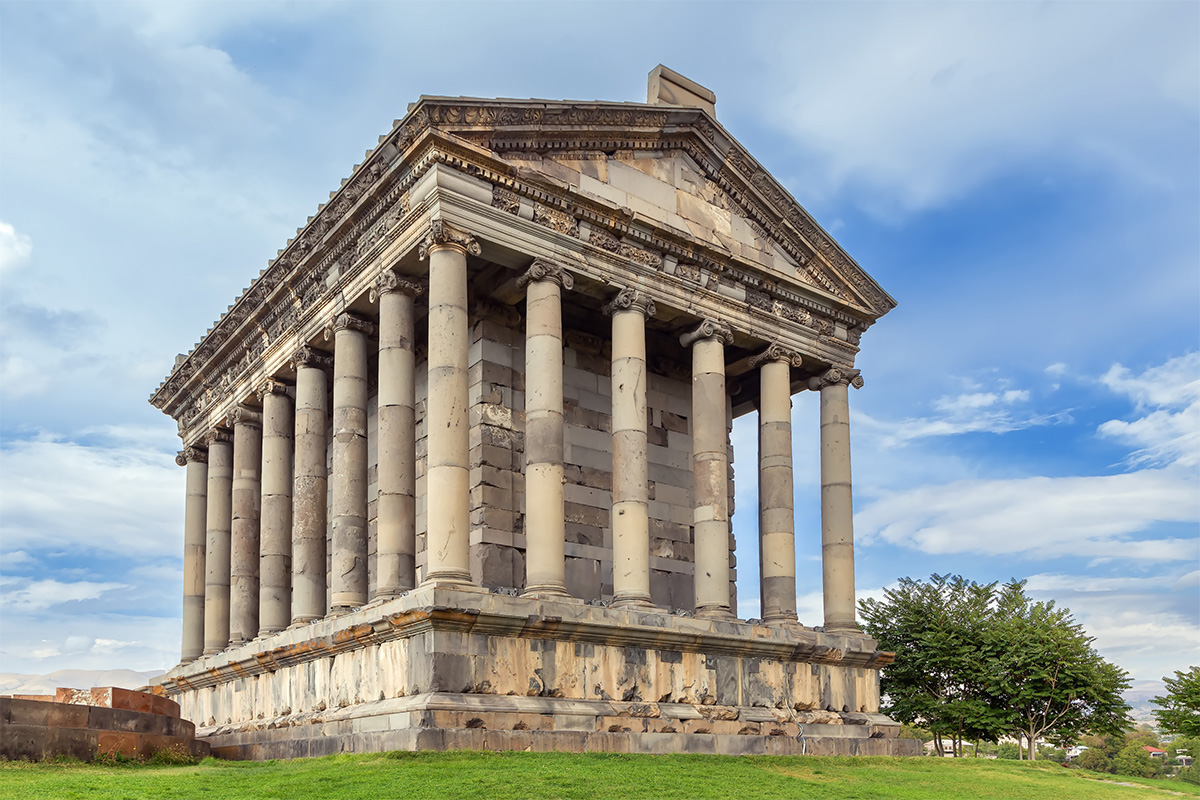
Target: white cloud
1040 517
917 104
110 498
1171 432
15 248
43 594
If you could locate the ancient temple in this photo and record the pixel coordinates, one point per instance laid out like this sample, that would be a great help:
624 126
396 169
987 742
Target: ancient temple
458 461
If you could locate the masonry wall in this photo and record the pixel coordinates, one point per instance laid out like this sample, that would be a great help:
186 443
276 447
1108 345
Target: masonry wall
497 489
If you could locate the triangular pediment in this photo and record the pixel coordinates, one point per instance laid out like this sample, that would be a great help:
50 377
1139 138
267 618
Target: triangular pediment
673 166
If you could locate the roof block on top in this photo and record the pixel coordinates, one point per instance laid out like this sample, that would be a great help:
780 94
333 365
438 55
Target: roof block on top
668 88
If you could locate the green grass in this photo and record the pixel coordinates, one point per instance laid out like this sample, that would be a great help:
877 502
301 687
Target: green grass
498 776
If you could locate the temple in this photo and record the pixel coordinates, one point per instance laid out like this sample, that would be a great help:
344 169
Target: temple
459 463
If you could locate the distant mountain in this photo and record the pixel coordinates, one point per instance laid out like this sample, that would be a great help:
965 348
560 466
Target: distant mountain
15 683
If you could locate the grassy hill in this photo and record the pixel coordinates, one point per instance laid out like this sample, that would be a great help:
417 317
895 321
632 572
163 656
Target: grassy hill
498 776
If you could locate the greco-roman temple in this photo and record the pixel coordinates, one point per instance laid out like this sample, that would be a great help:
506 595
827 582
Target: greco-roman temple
459 462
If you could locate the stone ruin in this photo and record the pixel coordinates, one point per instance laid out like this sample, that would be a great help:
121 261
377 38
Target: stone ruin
459 462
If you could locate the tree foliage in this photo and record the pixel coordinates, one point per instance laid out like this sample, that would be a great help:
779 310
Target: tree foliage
1134 760
976 662
1179 711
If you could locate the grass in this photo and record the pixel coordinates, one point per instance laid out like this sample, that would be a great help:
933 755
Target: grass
499 776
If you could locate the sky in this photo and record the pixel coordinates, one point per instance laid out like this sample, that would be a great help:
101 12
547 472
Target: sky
1024 179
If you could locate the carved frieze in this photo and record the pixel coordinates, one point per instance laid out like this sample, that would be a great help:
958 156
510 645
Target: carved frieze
507 200
606 241
556 220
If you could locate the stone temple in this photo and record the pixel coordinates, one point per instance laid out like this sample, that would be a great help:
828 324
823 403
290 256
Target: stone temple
459 461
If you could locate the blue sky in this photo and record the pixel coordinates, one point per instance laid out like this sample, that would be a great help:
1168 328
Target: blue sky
1024 178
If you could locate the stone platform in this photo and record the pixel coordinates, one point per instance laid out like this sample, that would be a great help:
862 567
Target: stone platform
449 668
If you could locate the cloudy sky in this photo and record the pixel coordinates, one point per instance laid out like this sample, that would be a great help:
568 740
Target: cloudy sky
1024 178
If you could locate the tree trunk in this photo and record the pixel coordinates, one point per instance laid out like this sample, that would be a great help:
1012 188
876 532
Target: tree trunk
1032 748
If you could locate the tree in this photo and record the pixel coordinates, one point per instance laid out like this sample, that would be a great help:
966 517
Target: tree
1134 760
1179 711
1053 684
1095 759
976 663
940 677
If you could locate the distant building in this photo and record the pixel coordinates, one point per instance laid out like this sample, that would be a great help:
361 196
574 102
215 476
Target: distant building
1154 751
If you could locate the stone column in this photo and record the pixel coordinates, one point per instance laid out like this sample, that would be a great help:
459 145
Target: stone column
776 516
195 509
349 564
310 485
218 517
396 526
247 507
447 467
275 565
630 468
545 522
837 507
710 467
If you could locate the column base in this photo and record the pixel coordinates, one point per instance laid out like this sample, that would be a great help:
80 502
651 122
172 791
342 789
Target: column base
546 592
300 622
212 651
714 612
633 601
268 632
449 579
843 628
784 621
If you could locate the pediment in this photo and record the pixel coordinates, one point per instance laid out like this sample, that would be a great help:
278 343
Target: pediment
674 166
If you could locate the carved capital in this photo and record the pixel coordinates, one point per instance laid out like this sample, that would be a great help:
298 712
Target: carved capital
442 234
189 454
542 270
630 299
389 282
708 329
218 436
834 376
271 386
240 415
349 322
311 357
776 352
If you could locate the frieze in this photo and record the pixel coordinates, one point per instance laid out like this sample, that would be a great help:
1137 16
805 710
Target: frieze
606 241
489 309
555 220
507 200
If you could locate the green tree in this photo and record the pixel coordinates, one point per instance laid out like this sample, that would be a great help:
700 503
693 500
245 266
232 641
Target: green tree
1183 746
1095 759
942 672
1134 760
1008 750
1053 684
1179 710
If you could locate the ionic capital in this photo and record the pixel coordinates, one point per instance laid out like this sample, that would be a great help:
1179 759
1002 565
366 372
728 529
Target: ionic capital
348 322
542 270
191 454
271 386
240 415
708 329
834 376
443 235
218 436
776 352
311 357
630 299
389 282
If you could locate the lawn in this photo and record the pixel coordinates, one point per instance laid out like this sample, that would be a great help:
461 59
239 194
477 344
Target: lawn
498 776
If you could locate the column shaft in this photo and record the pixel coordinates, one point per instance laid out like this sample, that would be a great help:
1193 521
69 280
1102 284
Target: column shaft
218 520
194 534
396 526
447 468
630 450
837 507
710 469
545 522
275 566
776 520
247 507
310 486
349 564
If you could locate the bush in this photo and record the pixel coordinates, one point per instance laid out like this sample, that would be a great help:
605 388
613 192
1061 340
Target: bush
172 756
1009 750
1095 760
1135 761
